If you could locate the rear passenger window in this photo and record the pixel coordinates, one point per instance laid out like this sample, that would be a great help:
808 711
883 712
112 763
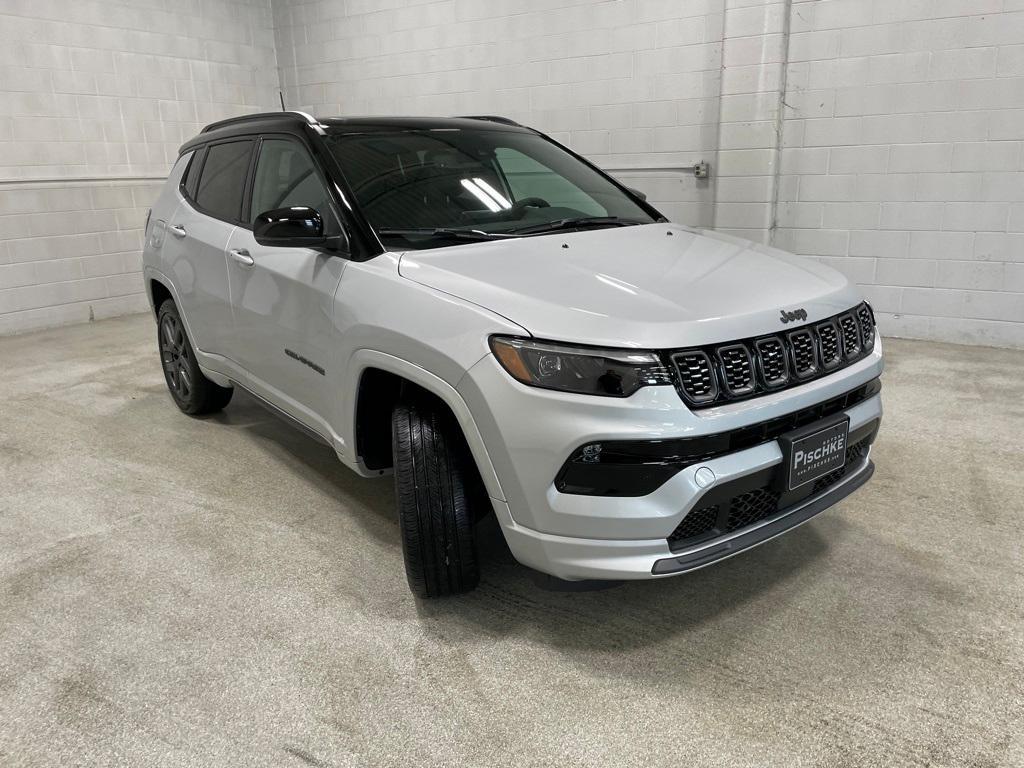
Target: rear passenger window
223 180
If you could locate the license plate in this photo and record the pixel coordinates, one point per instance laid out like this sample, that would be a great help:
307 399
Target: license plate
814 451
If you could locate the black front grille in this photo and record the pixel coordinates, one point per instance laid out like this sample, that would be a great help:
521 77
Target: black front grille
866 320
853 456
851 336
737 369
696 376
828 343
749 367
734 510
750 507
772 356
699 522
805 361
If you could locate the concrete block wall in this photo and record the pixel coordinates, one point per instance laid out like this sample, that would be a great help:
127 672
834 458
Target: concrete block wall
628 83
902 160
95 98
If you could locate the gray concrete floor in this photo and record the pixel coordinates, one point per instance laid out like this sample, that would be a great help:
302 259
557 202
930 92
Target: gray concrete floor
222 592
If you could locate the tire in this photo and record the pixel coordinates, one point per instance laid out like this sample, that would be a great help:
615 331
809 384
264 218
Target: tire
192 392
437 488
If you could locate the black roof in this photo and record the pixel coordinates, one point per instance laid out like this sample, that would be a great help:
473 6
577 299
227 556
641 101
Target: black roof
297 121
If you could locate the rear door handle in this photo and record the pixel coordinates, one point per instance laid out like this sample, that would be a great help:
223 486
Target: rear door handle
177 230
241 256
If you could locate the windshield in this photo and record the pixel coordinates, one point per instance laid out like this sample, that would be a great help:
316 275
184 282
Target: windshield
436 187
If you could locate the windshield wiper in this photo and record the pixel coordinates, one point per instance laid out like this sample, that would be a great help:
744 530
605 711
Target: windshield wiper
577 223
454 234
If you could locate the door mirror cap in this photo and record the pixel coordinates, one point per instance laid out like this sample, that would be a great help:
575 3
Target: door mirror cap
295 227
637 193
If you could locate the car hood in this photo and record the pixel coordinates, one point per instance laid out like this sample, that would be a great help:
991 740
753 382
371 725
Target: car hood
648 286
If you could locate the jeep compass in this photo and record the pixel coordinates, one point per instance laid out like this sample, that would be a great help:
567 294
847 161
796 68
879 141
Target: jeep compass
470 305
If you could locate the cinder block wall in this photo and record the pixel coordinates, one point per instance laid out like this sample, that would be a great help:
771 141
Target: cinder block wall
902 162
95 98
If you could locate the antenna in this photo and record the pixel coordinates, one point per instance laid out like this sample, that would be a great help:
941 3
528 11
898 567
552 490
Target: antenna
281 96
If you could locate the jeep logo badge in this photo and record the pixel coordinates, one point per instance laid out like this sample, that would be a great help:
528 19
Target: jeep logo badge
796 314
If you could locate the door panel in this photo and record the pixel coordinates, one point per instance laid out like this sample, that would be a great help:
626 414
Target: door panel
197 236
194 253
283 298
283 307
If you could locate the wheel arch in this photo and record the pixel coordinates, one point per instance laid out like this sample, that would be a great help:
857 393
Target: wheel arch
159 288
375 382
159 292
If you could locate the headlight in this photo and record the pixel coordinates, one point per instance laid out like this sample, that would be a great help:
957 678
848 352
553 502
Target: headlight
587 371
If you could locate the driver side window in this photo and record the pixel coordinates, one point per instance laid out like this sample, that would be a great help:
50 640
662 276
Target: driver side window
286 177
529 178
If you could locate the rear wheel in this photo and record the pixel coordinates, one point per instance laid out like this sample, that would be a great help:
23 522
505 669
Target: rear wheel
191 390
439 497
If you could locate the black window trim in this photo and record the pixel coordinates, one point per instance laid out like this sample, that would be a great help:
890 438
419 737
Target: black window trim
205 149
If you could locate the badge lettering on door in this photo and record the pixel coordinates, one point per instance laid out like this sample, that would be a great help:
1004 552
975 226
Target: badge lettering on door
305 361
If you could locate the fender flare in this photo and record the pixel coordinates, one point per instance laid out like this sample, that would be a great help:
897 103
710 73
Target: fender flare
362 359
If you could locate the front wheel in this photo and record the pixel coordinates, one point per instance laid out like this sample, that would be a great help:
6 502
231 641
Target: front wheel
436 484
192 392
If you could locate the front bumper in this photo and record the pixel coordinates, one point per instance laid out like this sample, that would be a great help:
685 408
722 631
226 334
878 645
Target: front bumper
529 433
577 559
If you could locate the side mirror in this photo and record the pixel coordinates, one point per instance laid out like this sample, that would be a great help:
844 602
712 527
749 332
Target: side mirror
296 227
638 193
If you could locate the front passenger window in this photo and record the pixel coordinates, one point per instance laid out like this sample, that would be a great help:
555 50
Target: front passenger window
286 177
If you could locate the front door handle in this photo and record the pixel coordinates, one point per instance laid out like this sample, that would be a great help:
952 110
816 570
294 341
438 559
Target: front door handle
241 256
177 230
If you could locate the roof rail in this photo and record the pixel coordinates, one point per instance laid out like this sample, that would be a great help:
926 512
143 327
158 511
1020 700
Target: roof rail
493 119
309 119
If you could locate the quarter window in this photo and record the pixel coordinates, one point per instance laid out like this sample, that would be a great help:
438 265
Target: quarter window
191 179
286 177
223 179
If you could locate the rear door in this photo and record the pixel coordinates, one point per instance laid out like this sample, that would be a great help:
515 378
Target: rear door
197 238
283 298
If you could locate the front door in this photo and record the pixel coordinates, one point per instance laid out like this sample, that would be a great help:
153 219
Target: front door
282 299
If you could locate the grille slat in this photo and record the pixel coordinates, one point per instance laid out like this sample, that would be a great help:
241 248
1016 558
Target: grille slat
772 357
851 336
805 361
828 343
867 326
737 369
696 376
740 369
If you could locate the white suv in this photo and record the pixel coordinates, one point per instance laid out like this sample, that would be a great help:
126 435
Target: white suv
469 304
